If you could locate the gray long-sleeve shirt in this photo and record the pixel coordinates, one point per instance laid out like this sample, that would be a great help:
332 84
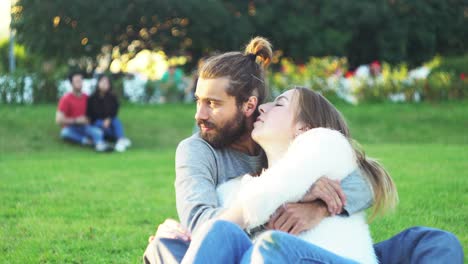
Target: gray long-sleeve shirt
200 168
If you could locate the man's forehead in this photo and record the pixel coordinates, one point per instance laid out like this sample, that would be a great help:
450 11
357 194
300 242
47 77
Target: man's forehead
212 88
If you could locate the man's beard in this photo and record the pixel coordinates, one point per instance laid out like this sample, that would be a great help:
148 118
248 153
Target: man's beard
224 136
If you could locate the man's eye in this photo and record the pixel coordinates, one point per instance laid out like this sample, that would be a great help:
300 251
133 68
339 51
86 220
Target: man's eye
278 104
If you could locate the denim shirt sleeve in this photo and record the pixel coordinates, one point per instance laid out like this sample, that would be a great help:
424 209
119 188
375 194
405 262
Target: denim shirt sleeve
358 193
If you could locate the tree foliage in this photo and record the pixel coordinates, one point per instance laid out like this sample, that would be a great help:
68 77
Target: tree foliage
364 30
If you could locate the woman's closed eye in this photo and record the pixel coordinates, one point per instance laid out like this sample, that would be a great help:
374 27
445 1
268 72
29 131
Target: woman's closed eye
279 103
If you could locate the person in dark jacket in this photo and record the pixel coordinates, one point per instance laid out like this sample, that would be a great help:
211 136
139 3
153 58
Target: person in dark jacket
102 110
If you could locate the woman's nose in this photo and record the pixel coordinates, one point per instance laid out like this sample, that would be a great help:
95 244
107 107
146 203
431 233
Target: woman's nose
261 108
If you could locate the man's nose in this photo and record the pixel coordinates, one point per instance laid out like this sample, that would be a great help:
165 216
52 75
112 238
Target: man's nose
202 113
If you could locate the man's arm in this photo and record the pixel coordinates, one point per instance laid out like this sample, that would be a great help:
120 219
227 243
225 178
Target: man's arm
358 193
195 184
353 194
62 120
297 217
60 117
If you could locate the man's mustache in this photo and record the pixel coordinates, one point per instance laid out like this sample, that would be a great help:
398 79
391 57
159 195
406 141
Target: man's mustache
206 124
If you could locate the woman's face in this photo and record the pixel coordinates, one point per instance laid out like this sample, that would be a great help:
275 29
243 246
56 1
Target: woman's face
276 122
104 85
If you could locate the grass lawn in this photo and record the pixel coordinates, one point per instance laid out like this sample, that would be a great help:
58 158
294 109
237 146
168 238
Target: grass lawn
65 204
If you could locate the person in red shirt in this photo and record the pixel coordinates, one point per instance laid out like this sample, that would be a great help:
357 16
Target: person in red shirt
71 116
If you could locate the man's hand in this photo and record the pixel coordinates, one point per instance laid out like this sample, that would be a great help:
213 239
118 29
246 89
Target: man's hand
171 229
106 123
81 120
330 192
295 218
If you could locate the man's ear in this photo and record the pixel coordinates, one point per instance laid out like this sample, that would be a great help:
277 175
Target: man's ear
250 106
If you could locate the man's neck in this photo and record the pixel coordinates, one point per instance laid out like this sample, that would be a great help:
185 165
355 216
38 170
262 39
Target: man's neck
77 93
246 145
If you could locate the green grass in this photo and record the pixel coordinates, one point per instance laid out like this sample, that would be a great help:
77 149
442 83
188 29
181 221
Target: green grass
64 204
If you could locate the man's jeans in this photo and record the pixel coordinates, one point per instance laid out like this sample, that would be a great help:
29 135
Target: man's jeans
82 133
113 131
225 242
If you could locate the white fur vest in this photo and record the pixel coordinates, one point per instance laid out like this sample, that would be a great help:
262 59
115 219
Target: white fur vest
315 153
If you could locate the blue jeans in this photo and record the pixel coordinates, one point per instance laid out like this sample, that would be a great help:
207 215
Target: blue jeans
224 242
420 245
81 133
114 130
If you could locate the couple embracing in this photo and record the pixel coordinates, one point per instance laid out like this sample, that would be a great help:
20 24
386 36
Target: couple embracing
279 182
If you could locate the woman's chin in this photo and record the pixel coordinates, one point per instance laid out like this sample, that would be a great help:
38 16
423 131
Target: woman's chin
259 137
256 134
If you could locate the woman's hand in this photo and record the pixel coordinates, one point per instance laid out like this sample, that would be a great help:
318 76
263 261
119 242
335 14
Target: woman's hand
173 230
106 123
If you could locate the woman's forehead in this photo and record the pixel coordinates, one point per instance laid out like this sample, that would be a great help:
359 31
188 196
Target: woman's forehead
288 95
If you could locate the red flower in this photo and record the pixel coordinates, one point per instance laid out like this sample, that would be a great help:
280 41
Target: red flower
462 76
375 64
302 68
349 74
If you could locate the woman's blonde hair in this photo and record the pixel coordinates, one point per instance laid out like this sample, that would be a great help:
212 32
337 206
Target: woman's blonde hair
246 71
314 110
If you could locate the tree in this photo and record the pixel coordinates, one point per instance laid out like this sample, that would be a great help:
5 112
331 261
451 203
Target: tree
365 30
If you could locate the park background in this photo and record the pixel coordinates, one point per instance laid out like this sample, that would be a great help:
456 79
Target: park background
65 204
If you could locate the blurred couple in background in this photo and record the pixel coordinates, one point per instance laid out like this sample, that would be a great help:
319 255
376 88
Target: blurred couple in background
93 120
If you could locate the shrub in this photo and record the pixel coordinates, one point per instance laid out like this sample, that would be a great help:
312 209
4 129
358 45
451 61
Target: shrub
13 90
